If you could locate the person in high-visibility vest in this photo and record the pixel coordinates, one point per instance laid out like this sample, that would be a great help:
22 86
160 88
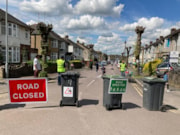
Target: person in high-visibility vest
60 68
122 68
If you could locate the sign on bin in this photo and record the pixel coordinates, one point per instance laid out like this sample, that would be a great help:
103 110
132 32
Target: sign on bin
67 91
117 86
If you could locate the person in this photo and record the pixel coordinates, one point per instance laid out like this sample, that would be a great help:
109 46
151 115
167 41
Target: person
122 68
165 78
97 66
60 68
36 66
103 69
91 64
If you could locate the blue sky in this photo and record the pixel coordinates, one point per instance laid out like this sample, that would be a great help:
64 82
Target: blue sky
105 23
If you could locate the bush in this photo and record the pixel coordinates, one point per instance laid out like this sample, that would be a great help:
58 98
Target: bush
77 63
150 67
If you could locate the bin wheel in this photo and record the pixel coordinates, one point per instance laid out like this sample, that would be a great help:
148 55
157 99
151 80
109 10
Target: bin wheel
163 109
78 104
61 103
108 107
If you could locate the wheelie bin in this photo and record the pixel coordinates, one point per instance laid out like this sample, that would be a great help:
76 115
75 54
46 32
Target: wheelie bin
69 89
113 88
153 93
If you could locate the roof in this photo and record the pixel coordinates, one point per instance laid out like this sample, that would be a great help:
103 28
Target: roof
12 19
173 33
71 42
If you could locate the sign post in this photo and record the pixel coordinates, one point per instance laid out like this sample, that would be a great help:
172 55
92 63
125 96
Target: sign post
27 90
117 86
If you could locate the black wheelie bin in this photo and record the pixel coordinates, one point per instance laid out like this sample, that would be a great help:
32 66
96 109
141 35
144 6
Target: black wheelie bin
69 89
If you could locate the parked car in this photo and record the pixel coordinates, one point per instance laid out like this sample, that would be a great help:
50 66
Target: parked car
165 66
103 63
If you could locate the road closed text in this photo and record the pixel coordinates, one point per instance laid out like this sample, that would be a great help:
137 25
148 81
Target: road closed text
30 90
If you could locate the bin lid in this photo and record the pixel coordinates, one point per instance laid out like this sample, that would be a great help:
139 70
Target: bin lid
153 80
70 73
112 77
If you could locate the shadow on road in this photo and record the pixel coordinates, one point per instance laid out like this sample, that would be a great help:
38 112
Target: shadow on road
11 106
88 102
130 105
169 107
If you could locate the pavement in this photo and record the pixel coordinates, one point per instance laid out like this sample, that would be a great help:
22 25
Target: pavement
171 97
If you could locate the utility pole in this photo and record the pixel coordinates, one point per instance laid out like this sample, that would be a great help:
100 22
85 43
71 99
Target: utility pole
6 41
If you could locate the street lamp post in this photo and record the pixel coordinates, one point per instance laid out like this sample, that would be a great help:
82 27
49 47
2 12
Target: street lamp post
6 41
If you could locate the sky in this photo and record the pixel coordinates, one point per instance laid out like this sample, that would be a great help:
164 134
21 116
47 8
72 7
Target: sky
107 24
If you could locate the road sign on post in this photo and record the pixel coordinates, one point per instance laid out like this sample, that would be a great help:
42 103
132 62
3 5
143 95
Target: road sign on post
27 90
117 86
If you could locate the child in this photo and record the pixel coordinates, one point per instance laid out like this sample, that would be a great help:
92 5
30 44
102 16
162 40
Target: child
103 69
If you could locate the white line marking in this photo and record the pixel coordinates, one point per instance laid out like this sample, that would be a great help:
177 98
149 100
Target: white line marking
90 83
99 76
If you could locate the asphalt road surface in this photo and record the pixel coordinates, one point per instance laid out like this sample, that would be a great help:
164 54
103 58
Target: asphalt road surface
91 118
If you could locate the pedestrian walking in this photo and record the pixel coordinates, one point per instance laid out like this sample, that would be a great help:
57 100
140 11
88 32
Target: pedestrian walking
97 66
165 78
36 66
91 64
122 68
103 69
60 68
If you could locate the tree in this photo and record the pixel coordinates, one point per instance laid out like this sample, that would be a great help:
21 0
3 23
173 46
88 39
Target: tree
139 31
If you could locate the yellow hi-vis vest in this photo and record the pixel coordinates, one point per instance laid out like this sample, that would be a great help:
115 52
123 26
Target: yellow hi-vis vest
122 66
60 66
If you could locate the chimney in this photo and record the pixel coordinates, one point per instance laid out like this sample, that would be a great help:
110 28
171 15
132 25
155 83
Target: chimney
173 30
66 36
77 41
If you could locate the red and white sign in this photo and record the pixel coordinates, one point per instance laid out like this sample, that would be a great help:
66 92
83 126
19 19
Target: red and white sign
67 91
27 90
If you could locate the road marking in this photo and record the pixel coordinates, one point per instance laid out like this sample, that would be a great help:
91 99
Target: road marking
91 83
139 83
139 91
175 111
99 76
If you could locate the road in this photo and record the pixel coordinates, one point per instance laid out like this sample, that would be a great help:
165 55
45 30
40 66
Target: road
89 119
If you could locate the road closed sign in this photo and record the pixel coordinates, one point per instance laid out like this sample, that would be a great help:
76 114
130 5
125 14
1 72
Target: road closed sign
27 90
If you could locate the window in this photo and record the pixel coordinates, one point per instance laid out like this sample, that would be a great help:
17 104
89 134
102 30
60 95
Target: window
14 30
10 29
54 56
26 34
14 54
3 28
54 44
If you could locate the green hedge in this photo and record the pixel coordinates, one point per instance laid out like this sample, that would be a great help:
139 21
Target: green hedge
77 63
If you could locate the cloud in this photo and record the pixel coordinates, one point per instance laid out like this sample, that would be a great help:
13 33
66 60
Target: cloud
31 22
149 24
51 7
99 7
85 22
111 44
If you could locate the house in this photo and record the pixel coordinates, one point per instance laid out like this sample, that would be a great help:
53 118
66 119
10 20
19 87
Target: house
56 44
74 51
18 39
86 53
172 41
